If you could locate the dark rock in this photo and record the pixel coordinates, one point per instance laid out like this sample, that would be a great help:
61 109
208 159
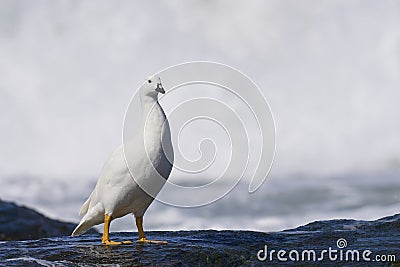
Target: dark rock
21 223
187 248
216 248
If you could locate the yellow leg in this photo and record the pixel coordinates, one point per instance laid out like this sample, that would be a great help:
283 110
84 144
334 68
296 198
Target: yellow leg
139 225
105 239
142 237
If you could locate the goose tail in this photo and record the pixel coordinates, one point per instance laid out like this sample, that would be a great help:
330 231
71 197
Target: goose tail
93 217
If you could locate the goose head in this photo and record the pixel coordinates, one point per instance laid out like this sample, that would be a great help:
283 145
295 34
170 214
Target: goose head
152 86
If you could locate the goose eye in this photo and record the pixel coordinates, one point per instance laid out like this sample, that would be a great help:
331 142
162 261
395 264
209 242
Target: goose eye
149 81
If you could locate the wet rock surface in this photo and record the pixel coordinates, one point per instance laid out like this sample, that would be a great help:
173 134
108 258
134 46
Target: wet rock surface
216 248
22 223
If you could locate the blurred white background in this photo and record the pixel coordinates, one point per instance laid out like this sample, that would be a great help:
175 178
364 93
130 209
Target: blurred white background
329 69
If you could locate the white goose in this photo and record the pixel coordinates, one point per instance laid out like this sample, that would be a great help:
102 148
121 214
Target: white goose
117 193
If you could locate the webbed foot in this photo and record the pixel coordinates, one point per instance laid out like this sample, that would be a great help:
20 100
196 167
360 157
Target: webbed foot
110 243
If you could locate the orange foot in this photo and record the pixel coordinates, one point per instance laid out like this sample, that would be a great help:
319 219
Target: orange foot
115 243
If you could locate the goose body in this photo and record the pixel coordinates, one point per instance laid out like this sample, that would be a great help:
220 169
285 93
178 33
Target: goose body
128 185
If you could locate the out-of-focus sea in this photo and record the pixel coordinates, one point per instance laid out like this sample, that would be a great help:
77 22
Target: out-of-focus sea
280 203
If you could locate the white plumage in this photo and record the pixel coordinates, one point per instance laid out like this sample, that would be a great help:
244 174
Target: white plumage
121 190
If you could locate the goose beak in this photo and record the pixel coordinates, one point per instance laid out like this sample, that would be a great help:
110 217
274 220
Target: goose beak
160 89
